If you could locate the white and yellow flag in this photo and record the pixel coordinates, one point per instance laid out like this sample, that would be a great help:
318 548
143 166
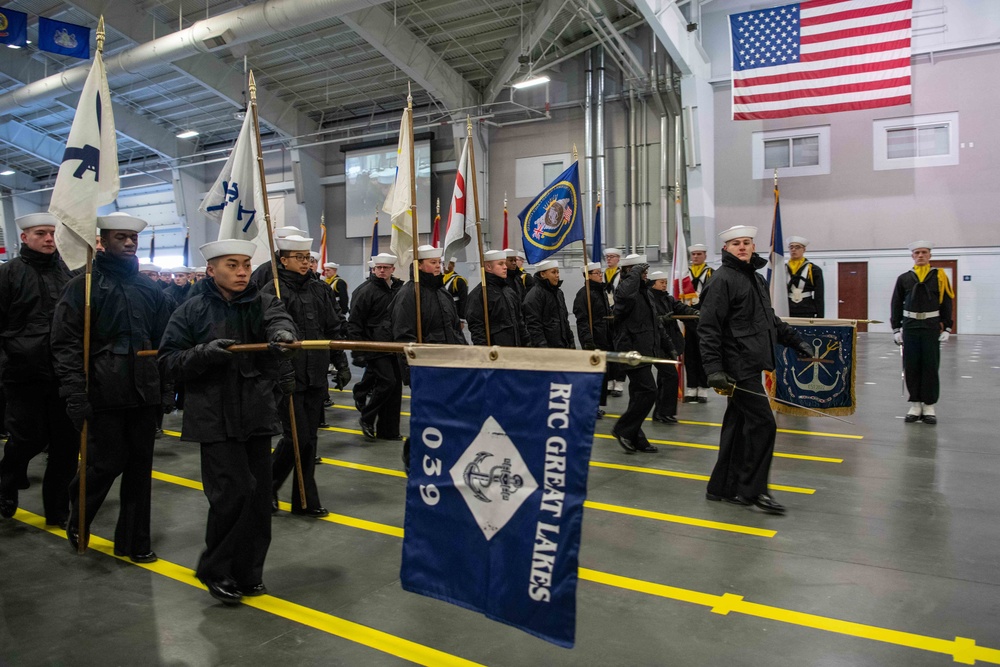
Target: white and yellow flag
236 200
398 203
88 175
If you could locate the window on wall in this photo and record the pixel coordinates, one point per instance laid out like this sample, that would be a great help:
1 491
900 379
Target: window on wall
916 141
803 151
550 170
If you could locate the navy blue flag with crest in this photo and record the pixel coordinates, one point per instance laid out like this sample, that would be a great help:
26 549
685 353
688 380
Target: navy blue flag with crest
826 382
13 27
552 220
498 474
67 39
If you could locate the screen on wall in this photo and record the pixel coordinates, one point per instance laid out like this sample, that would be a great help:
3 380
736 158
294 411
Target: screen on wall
368 174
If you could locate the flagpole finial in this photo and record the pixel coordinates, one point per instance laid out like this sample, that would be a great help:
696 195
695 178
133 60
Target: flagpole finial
576 155
252 85
776 177
439 206
100 34
468 124
409 96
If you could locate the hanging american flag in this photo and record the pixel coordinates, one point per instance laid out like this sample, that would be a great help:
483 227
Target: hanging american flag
820 56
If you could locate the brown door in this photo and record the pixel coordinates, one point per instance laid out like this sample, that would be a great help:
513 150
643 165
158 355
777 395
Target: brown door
950 267
852 292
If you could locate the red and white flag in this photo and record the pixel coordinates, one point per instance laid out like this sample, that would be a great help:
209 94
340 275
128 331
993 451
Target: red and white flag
820 56
681 283
461 213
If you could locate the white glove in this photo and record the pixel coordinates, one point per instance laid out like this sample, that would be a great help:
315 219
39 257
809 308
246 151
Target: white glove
897 337
943 338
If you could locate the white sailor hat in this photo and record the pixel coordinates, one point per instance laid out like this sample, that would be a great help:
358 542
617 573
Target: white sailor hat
384 258
801 240
119 221
453 260
657 275
35 220
612 251
920 244
314 254
331 265
633 259
214 249
738 232
201 269
293 242
593 266
429 252
494 255
149 267
165 272
510 252
520 253
181 269
282 232
546 265
698 246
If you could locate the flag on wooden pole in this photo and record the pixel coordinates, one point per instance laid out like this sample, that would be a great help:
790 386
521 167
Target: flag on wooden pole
461 220
236 199
398 203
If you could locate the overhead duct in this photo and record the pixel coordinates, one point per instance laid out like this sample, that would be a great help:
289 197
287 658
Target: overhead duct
225 30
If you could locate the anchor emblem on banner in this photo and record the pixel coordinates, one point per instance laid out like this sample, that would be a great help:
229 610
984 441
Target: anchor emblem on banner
815 384
478 481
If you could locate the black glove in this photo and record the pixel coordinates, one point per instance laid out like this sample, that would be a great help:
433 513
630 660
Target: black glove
804 350
214 352
78 409
169 401
282 337
721 380
343 377
641 268
286 383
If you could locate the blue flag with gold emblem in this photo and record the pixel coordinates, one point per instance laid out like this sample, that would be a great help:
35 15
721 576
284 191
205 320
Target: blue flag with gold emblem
66 39
552 220
13 27
498 475
826 381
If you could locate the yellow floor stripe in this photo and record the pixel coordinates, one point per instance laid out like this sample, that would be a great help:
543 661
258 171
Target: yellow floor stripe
963 650
333 625
688 475
362 466
695 445
686 520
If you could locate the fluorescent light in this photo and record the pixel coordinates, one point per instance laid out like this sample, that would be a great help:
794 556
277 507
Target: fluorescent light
187 134
7 172
527 83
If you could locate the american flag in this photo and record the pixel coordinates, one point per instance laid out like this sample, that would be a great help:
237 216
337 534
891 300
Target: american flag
820 56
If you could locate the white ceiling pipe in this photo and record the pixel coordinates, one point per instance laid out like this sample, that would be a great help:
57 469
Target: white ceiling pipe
222 31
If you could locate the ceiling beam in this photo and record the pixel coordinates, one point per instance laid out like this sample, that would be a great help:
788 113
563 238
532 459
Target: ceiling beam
31 141
397 43
537 26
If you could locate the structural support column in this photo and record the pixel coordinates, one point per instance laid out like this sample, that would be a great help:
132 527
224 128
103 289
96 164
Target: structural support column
699 149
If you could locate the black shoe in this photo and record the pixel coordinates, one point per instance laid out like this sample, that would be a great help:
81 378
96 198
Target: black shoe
738 500
148 557
61 523
367 429
600 413
323 424
665 419
768 504
158 433
315 512
73 534
930 419
8 505
319 460
274 503
328 402
625 443
690 399
616 393
252 591
224 591
909 419
703 399
645 448
714 498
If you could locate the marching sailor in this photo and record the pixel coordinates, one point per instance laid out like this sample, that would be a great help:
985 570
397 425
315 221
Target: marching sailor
231 411
457 287
506 322
598 338
700 273
671 340
123 397
338 285
738 331
921 321
805 282
545 314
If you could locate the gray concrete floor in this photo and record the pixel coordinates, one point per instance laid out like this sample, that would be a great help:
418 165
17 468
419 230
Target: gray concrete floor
902 535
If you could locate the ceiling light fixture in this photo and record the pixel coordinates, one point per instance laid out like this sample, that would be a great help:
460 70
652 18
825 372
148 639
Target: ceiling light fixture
187 134
533 81
7 172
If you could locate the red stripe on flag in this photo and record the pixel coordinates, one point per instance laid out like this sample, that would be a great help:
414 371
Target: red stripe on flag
888 8
821 92
855 32
855 51
805 75
824 108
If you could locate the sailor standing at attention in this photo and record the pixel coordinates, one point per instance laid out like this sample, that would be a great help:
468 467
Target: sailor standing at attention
805 282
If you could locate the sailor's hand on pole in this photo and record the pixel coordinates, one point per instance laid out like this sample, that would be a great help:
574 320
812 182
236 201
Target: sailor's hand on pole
804 350
278 342
214 352
78 409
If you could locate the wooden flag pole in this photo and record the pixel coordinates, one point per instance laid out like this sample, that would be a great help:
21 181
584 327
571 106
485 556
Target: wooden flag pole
413 216
479 228
586 275
277 287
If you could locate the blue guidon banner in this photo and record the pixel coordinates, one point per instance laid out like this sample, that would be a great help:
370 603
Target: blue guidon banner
494 502
825 383
553 219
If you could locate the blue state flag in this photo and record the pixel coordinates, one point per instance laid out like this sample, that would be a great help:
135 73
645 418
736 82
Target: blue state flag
66 39
494 501
552 220
13 27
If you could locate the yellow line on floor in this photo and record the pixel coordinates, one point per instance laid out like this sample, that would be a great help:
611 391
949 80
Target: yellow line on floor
688 475
695 445
362 466
685 520
332 625
963 650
